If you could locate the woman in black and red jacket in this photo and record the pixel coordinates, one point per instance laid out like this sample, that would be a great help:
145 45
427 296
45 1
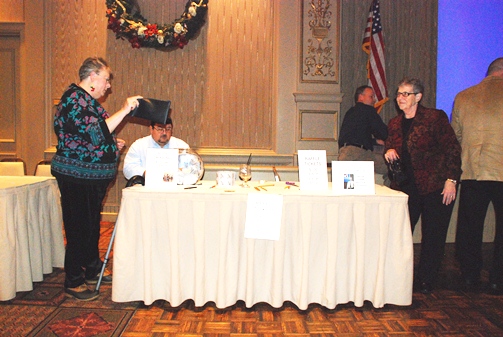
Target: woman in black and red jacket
430 155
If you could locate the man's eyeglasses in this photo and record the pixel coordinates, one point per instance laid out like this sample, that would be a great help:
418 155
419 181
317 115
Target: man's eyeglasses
166 129
405 94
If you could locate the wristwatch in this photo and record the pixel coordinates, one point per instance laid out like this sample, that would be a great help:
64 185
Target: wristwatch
452 181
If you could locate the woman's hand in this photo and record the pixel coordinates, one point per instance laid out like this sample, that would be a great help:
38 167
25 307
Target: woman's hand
449 192
121 143
131 103
391 155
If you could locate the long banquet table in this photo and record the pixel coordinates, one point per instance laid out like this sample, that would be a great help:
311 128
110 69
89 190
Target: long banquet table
31 232
189 244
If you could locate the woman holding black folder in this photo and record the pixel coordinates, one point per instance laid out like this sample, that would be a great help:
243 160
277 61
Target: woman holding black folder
84 165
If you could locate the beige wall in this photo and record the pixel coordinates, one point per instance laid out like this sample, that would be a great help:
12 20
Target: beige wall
12 10
26 20
235 89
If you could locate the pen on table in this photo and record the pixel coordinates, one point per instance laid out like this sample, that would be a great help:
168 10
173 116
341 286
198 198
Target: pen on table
190 187
213 186
262 186
257 188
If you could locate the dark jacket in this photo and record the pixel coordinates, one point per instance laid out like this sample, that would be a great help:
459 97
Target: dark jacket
434 150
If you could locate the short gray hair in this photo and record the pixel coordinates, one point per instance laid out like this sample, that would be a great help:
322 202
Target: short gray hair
417 85
93 64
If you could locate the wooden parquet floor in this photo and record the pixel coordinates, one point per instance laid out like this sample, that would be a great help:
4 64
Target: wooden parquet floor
448 311
442 313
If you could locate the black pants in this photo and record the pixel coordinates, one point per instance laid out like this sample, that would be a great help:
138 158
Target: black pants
435 218
474 201
81 205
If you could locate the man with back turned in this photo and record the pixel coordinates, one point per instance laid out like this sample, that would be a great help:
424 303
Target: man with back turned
477 120
360 123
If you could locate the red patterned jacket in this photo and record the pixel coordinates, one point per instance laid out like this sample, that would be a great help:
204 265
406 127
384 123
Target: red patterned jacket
434 150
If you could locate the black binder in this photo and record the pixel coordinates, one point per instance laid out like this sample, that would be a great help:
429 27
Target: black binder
152 109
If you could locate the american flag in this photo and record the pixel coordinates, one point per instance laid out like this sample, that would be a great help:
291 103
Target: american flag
373 45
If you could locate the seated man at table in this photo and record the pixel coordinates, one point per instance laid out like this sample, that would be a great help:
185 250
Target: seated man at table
160 137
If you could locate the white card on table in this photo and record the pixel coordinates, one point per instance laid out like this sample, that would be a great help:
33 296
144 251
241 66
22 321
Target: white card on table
162 168
353 177
313 170
263 216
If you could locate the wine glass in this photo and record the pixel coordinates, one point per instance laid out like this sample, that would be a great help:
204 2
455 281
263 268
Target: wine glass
245 174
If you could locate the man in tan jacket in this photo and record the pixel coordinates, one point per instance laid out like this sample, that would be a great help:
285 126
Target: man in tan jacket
477 120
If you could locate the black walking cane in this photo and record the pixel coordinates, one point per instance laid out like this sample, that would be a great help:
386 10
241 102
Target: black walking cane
135 180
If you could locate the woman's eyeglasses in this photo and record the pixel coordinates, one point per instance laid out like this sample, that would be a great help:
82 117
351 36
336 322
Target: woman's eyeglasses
405 94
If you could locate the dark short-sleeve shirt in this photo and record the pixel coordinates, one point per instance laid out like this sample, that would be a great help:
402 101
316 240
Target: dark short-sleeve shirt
360 123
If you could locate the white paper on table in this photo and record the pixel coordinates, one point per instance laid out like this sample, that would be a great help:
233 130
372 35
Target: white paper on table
313 170
161 168
263 216
353 177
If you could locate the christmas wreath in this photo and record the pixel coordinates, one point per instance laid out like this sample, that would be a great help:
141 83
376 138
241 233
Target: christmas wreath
125 20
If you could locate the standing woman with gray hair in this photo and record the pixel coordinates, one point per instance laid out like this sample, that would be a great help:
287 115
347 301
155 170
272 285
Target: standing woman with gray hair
84 165
424 142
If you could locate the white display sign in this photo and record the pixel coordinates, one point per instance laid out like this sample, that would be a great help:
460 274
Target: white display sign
353 177
263 216
162 168
313 170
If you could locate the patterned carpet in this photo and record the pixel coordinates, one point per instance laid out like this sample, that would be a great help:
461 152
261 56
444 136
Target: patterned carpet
48 311
448 311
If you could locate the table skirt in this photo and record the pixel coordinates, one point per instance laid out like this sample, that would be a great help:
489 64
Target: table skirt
31 232
332 249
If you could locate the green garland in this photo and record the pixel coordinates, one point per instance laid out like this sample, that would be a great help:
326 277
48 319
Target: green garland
125 20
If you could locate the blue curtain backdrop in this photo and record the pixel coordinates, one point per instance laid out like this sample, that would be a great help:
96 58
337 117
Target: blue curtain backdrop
470 36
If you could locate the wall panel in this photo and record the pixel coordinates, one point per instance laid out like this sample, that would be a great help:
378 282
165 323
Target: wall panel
220 84
12 10
78 31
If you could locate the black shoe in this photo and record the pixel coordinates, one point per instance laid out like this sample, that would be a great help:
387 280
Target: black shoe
107 278
425 287
82 293
495 289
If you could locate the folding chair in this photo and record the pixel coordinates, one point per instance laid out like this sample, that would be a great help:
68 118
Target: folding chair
12 167
43 168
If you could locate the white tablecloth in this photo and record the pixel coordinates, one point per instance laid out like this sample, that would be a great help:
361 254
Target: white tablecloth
189 244
31 232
